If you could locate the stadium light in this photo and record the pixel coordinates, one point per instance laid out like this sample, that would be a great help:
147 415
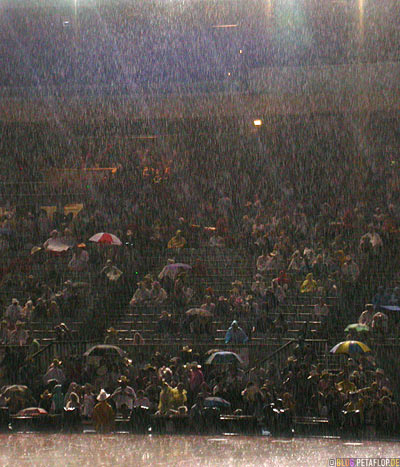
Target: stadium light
257 122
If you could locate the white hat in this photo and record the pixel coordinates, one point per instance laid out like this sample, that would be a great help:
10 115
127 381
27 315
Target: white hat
102 395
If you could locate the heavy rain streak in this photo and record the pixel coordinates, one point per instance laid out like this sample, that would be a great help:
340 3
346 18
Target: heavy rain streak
199 232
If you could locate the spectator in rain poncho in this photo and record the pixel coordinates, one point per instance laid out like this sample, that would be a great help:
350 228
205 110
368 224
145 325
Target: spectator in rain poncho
380 323
166 402
309 285
157 294
13 312
374 239
235 334
177 241
19 336
141 295
110 271
54 372
57 400
103 415
367 315
296 263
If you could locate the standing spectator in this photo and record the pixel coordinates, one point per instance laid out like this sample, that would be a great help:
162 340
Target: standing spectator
124 396
235 334
13 312
103 415
367 315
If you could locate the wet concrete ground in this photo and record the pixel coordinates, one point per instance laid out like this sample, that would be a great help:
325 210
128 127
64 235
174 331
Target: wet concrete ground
152 450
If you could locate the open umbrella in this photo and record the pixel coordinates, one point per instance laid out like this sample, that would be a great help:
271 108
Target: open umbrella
357 327
350 348
32 412
219 358
102 350
216 402
105 239
201 312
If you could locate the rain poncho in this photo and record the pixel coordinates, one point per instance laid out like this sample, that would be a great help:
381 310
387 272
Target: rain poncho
309 285
235 334
57 400
166 399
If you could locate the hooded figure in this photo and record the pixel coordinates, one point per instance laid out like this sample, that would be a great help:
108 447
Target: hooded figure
57 400
235 334
309 285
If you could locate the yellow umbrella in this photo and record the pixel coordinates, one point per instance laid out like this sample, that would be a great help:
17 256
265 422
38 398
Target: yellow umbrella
350 348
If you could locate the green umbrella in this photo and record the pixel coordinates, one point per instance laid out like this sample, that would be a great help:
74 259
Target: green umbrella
357 327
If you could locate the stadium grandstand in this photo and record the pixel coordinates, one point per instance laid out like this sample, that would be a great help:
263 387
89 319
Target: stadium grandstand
245 158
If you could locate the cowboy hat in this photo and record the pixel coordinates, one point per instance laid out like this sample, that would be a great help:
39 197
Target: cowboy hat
102 395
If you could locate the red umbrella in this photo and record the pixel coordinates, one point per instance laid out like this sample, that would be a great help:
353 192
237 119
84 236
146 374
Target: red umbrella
31 412
105 238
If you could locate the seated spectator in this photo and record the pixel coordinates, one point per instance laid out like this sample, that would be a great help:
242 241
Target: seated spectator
177 242
158 295
137 339
53 242
179 397
374 239
68 238
27 311
235 334
278 291
296 263
262 262
80 259
380 323
350 270
111 337
63 333
111 272
73 402
283 280
141 295
141 400
367 315
309 285
216 241
318 266
208 304
165 323
19 335
222 306
320 310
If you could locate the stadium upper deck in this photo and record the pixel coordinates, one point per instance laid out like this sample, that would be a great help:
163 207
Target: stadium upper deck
280 48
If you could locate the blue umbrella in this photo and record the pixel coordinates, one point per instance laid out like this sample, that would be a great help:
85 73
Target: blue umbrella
217 402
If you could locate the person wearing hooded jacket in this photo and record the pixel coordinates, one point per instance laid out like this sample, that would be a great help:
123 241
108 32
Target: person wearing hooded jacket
235 334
